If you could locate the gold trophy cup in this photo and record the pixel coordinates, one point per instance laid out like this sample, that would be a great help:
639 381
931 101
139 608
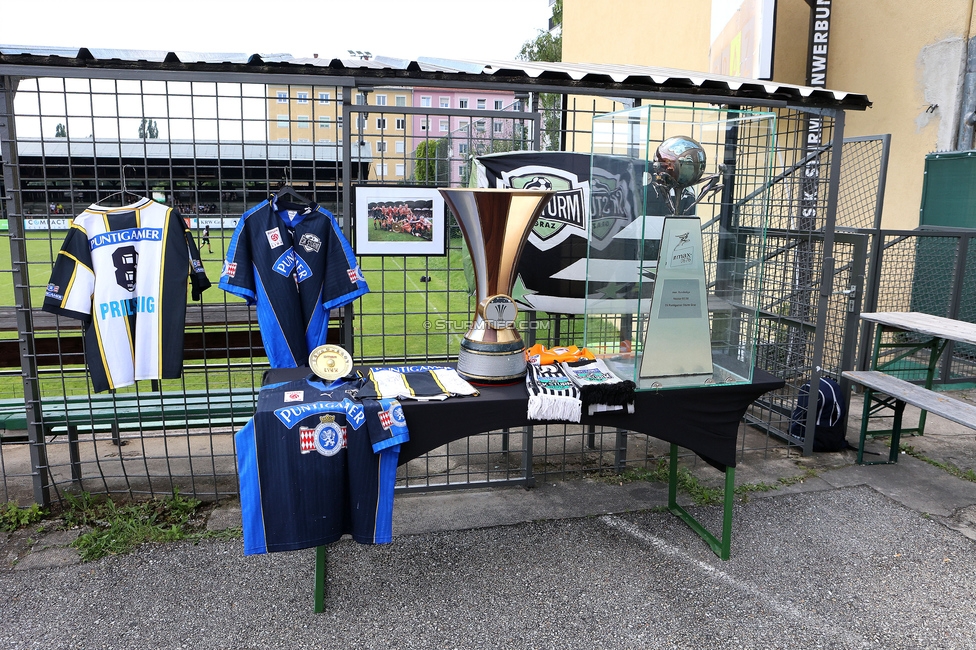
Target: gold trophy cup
495 224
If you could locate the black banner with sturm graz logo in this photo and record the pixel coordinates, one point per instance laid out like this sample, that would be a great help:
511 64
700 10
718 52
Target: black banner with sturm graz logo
591 204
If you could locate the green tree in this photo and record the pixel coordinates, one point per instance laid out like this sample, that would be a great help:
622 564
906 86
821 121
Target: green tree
148 129
432 162
548 46
60 131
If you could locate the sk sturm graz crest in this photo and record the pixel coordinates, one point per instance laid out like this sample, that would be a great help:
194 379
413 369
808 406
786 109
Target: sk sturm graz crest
125 259
566 212
596 199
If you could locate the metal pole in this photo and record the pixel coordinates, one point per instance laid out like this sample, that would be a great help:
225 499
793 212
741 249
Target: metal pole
18 260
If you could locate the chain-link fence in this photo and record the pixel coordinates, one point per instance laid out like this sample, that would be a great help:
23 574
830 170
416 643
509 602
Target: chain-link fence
215 147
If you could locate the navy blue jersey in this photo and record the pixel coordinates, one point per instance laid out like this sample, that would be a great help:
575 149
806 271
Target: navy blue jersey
315 463
295 263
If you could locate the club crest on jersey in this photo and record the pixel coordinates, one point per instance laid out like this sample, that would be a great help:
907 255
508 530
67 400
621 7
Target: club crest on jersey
393 416
311 243
274 238
328 437
295 396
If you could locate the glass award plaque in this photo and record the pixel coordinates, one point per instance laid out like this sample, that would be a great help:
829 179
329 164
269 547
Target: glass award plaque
675 250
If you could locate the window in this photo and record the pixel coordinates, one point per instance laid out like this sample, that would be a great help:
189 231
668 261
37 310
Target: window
282 96
498 105
463 103
325 122
399 146
303 141
462 148
463 125
324 98
400 100
339 94
303 121
445 102
401 123
424 124
360 98
338 121
425 101
282 139
381 170
482 104
381 100
480 126
499 127
399 169
360 122
302 98
444 126
381 147
282 121
380 123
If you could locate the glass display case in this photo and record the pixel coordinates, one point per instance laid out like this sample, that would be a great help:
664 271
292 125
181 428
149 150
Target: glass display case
674 265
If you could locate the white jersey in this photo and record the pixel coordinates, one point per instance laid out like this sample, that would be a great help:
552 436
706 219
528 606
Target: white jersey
123 272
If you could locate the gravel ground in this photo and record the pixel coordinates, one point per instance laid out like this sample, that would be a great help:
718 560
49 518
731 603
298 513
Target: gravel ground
835 568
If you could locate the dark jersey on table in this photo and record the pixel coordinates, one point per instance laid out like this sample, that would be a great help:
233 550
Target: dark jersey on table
315 463
294 262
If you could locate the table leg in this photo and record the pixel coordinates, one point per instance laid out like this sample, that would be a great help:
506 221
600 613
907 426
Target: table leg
721 547
321 573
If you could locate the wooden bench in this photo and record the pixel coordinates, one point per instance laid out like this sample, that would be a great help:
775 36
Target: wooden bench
900 392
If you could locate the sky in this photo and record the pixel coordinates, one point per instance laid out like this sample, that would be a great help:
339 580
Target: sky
406 29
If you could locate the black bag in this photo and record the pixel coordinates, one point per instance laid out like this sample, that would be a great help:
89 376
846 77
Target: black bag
830 433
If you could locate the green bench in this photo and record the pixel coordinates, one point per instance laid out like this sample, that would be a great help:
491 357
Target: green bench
117 413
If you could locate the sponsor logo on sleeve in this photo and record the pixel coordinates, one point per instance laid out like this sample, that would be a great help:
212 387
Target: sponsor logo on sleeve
230 268
355 275
53 291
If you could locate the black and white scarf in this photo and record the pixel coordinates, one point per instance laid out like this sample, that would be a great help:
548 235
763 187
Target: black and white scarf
552 395
600 389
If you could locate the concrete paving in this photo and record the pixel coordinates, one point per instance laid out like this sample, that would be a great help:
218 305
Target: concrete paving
850 557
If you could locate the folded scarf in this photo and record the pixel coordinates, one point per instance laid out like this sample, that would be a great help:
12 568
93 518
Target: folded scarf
540 355
552 395
600 389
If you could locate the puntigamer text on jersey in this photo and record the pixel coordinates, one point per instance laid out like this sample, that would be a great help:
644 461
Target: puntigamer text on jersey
122 236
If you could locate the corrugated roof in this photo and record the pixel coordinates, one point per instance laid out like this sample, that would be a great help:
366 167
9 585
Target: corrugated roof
613 79
179 149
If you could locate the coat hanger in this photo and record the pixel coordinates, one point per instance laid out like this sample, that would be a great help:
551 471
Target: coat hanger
124 191
286 197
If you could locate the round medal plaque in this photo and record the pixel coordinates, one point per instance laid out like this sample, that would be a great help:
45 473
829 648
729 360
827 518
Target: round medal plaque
330 362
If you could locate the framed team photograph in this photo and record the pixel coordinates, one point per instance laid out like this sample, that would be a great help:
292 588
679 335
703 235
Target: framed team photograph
399 220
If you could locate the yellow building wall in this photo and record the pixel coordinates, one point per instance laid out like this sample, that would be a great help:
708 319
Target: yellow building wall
662 33
907 57
299 120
